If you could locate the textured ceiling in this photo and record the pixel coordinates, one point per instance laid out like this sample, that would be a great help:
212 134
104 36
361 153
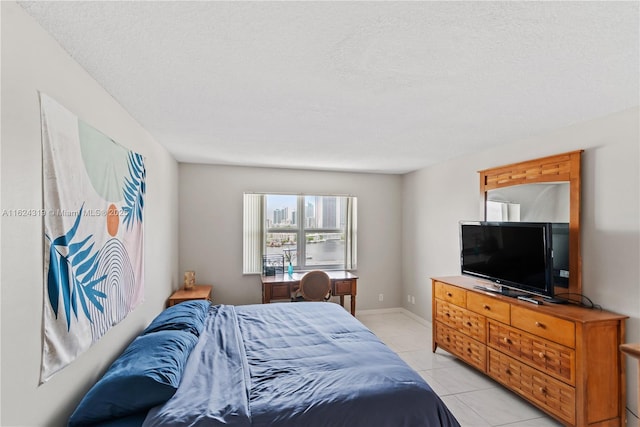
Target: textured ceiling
359 86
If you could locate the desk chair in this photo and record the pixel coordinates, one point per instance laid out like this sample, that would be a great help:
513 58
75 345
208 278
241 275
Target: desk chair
314 286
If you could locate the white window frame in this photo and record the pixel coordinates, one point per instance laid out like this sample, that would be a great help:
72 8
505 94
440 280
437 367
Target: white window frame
255 231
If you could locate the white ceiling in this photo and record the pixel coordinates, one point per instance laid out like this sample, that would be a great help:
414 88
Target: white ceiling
358 86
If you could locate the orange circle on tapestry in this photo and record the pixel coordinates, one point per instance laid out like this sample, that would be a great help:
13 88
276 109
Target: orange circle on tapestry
113 220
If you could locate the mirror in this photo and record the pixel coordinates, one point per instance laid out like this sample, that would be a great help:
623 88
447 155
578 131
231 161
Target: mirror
539 190
529 203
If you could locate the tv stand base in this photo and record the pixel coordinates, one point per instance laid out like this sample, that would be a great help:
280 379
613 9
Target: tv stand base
504 291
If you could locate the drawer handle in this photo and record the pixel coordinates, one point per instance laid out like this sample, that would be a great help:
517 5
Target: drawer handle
447 314
507 371
469 350
448 339
469 324
543 390
540 325
506 340
449 294
542 355
486 307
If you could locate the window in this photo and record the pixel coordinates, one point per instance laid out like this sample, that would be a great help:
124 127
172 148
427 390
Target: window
503 211
309 231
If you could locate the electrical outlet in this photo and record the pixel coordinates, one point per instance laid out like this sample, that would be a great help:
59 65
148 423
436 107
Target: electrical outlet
413 300
380 297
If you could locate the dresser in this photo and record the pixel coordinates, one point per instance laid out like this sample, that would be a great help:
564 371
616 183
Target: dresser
564 359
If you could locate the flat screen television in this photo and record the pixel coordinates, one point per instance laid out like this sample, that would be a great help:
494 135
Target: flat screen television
515 255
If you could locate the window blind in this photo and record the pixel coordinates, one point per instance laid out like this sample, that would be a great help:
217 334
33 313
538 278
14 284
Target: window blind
252 233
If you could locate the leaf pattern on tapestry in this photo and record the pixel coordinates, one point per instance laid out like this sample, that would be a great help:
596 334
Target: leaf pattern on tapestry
134 188
72 275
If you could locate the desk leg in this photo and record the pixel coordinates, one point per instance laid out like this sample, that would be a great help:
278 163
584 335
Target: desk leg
342 300
353 305
266 293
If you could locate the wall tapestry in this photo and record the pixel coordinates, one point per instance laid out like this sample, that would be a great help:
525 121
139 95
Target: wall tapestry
93 235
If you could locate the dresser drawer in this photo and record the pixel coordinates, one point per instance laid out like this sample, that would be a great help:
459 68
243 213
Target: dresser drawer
488 306
467 349
546 326
467 322
343 287
551 358
450 294
280 291
555 396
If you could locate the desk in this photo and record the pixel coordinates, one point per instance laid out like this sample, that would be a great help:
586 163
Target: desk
282 286
633 350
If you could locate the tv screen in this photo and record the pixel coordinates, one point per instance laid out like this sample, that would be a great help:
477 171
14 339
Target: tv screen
512 254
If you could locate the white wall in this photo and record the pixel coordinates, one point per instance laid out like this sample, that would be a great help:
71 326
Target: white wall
211 227
436 198
31 62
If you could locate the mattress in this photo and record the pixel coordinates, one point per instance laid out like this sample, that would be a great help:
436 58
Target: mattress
296 364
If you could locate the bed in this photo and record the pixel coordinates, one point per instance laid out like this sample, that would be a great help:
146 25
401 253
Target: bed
287 364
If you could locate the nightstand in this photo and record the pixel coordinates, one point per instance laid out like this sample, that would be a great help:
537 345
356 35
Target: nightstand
198 292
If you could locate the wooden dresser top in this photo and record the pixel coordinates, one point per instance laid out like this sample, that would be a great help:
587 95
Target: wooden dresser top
565 311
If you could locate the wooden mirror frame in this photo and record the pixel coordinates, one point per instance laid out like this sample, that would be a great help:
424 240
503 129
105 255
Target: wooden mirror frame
558 168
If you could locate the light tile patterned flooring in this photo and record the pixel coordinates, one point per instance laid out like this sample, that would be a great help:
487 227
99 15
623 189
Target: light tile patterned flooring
475 400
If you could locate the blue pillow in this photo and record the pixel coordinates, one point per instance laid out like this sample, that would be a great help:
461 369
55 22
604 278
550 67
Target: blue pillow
145 375
186 316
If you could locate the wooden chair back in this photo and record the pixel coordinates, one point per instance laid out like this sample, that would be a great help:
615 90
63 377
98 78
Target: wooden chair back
315 286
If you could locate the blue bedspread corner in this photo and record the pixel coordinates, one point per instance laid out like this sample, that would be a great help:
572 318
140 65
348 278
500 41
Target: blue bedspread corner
313 364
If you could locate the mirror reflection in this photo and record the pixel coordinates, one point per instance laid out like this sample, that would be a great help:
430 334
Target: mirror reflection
545 202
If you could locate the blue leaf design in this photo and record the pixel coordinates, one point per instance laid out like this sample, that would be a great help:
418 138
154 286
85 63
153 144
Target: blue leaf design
64 240
129 193
86 266
135 171
85 309
74 300
92 295
64 284
134 190
64 272
52 280
93 283
81 256
75 247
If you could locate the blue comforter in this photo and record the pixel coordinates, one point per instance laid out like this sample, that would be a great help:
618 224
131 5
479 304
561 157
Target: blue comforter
303 364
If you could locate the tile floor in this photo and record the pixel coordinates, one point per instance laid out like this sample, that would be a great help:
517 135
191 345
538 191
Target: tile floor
475 400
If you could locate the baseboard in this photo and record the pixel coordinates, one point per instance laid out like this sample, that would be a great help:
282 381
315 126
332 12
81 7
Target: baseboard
395 310
379 311
417 318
